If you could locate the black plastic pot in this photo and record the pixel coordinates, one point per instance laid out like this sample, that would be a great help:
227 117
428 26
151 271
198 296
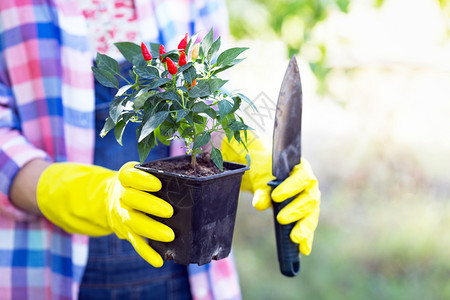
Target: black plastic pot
204 213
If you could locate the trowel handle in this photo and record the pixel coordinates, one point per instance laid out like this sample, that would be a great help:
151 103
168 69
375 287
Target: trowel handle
288 254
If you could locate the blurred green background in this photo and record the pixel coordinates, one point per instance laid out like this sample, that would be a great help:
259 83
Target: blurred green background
376 129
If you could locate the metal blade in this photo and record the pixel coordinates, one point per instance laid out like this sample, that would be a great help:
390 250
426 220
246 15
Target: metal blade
288 124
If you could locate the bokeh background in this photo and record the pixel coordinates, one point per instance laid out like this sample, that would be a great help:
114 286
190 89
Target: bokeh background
376 129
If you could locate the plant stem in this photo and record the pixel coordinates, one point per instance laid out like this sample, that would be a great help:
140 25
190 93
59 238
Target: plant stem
194 151
174 78
194 159
182 97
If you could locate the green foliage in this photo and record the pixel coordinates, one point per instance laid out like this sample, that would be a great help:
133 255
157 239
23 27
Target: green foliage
188 105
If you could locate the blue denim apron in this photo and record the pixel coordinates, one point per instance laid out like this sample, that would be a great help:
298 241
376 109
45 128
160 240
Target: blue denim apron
114 269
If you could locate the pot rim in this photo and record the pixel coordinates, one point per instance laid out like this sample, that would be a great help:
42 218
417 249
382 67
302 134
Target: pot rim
238 168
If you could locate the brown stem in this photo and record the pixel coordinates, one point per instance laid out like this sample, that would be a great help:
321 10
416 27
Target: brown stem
194 160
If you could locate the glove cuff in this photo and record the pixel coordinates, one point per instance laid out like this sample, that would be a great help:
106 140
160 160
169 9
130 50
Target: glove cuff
71 196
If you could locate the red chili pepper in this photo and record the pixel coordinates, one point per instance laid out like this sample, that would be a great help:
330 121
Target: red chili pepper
182 45
171 67
145 52
182 60
161 52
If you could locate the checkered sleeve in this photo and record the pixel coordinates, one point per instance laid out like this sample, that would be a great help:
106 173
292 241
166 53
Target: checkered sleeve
15 152
15 149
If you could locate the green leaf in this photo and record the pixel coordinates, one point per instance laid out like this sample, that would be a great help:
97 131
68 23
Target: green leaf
109 124
201 54
139 61
147 72
190 74
170 95
217 70
245 132
190 118
205 88
105 78
157 83
140 100
237 136
248 159
201 140
200 120
242 121
127 116
191 42
229 55
107 63
176 105
159 137
215 84
199 126
213 50
131 52
245 145
152 123
246 99
205 44
225 108
122 90
115 109
185 67
164 74
154 50
216 157
145 145
200 90
171 118
246 136
167 129
118 131
161 105
229 133
236 104
229 117
199 107
183 89
187 132
211 113
181 114
172 54
236 126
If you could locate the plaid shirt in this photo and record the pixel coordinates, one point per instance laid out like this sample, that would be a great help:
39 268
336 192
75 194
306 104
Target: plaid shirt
47 111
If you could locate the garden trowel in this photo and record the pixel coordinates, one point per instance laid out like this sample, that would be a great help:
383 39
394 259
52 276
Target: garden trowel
286 154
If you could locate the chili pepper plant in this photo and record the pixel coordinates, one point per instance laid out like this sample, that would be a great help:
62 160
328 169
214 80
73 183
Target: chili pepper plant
174 94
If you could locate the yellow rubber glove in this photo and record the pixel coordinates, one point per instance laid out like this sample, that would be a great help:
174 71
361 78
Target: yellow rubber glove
95 201
301 183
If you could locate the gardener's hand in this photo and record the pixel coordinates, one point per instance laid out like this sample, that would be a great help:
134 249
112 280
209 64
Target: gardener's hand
304 209
302 184
96 201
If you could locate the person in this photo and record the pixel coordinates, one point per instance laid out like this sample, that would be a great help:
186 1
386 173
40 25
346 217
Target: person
59 181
